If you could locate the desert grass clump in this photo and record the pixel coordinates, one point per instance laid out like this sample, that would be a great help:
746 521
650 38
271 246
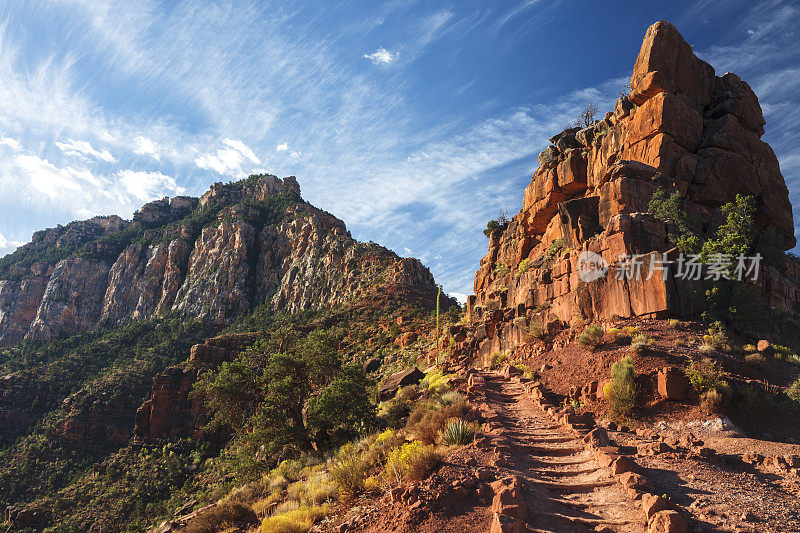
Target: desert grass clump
458 432
264 506
411 462
706 348
298 520
220 517
674 323
680 343
452 397
640 343
622 391
348 469
755 359
591 336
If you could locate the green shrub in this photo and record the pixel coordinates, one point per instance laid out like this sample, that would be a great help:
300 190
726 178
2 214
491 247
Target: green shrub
497 359
793 392
591 336
622 392
553 249
434 381
501 269
411 462
428 418
717 336
490 227
393 411
670 209
674 323
640 342
706 376
348 469
458 432
524 265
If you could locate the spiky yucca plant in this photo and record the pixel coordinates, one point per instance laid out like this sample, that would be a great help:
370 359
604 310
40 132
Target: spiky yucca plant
458 432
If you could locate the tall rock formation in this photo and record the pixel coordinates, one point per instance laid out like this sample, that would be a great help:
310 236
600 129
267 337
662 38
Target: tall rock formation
681 128
239 245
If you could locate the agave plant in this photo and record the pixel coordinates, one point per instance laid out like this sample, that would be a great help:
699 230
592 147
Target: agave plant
458 432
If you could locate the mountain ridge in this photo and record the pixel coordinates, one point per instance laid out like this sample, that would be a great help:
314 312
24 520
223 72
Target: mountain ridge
212 257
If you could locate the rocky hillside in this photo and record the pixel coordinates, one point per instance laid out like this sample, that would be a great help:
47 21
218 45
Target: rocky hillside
213 258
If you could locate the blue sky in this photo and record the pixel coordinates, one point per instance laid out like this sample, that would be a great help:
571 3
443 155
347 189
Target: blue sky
413 121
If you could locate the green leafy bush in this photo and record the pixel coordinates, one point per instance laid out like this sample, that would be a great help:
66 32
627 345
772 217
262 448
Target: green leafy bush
623 392
793 392
670 209
490 227
734 237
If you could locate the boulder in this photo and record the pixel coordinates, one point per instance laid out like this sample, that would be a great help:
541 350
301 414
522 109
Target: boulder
667 522
673 384
398 380
548 156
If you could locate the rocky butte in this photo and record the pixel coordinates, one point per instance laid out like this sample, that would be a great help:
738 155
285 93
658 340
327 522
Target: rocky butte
681 128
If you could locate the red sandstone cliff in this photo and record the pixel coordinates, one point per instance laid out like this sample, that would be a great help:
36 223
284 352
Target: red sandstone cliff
682 127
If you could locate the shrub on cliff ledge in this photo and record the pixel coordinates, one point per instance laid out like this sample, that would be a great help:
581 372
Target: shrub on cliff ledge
670 209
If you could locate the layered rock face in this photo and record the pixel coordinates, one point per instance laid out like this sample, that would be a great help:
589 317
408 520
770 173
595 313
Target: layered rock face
681 128
170 411
256 241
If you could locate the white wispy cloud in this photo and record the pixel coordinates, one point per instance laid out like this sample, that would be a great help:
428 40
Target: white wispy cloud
381 56
145 146
11 143
7 245
229 158
282 147
146 186
50 180
84 149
